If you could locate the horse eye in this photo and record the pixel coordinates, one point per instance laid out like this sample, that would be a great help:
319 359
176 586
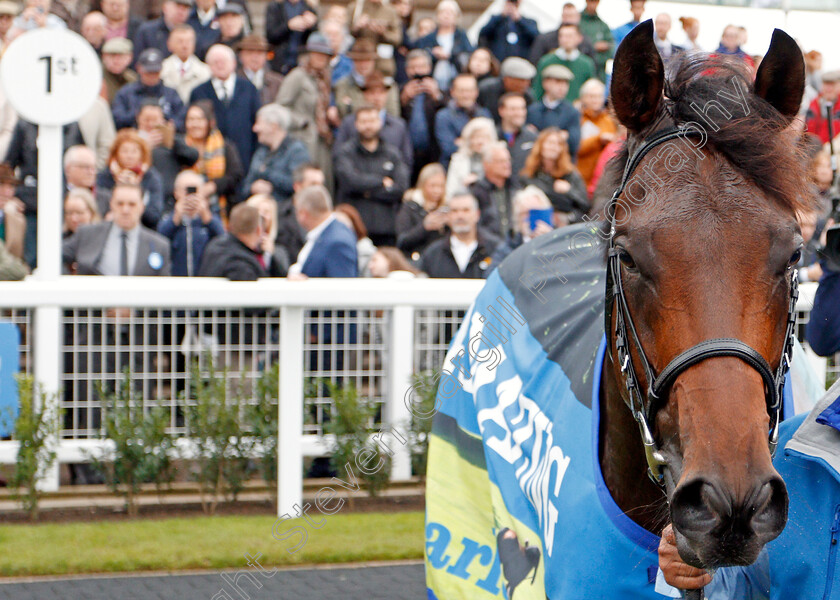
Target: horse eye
794 259
626 259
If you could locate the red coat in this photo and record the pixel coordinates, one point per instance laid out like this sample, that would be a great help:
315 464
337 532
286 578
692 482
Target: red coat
817 123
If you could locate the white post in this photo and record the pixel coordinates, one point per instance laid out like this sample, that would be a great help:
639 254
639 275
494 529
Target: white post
48 318
290 411
401 363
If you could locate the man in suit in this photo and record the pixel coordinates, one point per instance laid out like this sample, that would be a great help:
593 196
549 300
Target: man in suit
182 70
253 56
120 247
330 249
235 100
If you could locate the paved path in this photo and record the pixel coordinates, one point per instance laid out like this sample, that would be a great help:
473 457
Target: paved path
403 581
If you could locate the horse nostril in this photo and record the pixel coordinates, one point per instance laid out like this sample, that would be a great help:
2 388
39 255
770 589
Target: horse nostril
767 508
697 507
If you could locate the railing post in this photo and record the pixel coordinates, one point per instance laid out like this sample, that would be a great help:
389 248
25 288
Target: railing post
397 414
290 411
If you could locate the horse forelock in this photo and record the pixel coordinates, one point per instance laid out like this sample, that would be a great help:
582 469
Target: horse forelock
752 137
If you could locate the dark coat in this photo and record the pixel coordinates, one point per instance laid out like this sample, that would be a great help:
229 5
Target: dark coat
168 162
394 132
574 201
437 260
497 33
287 43
152 34
359 175
290 234
461 47
333 253
564 116
205 35
131 97
431 153
491 215
412 237
225 256
236 116
200 235
86 246
23 155
520 147
276 167
152 185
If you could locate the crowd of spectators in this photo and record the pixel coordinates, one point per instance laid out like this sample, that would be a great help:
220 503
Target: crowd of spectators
346 141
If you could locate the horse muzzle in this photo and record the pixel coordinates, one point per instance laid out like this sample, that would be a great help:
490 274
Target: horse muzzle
716 528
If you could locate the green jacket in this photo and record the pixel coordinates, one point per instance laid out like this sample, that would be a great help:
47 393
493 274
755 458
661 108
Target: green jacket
582 68
597 31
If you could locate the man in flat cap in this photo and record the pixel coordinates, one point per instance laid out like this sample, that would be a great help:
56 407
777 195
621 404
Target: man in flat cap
554 109
155 34
253 57
514 77
117 56
815 118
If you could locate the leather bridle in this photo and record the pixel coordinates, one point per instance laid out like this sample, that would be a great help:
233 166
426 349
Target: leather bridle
644 407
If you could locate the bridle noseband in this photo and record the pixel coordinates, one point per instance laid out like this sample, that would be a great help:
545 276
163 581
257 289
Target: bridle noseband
644 408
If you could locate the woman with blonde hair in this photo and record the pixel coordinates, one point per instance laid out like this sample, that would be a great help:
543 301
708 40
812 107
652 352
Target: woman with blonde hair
466 165
549 167
79 209
130 161
597 127
422 217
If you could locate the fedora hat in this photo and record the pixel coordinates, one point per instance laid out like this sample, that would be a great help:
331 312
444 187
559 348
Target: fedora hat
253 41
362 49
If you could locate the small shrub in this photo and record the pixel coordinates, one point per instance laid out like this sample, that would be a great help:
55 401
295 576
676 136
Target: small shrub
261 418
142 449
215 425
350 424
36 423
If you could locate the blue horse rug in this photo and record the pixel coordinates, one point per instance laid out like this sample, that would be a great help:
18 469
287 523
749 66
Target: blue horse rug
516 505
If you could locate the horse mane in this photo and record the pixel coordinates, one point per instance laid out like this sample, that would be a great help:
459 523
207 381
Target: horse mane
759 145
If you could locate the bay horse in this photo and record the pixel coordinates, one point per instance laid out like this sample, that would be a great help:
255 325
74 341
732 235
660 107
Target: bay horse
581 410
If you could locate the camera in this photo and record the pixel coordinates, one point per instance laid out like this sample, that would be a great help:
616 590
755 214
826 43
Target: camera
830 253
191 189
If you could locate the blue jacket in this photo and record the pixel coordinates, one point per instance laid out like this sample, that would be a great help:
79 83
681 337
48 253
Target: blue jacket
801 564
823 329
449 121
235 118
333 254
564 116
131 97
276 167
201 234
506 37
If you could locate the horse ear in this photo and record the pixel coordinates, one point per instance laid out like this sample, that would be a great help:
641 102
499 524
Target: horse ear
781 76
637 79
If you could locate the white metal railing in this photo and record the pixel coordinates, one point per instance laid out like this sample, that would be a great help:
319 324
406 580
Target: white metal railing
374 333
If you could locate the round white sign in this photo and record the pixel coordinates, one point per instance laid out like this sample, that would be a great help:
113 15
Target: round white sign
51 76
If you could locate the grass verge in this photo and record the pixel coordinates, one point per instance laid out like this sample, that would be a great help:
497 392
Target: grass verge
205 543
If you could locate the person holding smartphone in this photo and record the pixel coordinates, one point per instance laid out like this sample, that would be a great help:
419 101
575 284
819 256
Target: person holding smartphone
509 33
190 225
534 216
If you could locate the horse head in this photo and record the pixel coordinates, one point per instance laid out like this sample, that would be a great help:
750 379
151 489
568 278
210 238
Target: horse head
705 240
